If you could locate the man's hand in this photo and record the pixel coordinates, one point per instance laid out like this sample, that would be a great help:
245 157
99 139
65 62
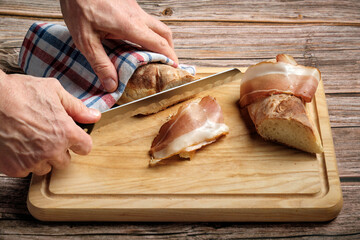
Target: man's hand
90 21
37 126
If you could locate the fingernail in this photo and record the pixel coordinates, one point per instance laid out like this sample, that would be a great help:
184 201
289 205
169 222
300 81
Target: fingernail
109 84
94 112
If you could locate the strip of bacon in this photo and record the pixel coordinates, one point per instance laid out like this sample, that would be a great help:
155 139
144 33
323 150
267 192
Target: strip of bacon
195 125
282 76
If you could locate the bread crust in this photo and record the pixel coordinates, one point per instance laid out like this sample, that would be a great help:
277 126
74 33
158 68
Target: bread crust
285 108
153 78
279 106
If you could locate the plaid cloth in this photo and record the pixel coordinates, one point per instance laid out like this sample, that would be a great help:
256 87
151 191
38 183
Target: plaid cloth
49 51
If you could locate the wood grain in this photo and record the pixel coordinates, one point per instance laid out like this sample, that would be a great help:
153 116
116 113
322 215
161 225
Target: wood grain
305 11
339 64
347 148
16 222
244 45
344 115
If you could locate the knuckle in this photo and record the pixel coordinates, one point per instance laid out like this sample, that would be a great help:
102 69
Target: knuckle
82 106
83 146
100 67
77 103
89 146
53 146
163 43
54 82
69 130
168 33
52 149
50 153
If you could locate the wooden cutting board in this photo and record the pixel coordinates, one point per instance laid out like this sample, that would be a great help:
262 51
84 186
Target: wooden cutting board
241 177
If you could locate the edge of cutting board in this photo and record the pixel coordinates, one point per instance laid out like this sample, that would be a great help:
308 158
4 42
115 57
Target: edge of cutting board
324 206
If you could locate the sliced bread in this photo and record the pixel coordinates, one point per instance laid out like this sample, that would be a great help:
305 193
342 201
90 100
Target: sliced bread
283 118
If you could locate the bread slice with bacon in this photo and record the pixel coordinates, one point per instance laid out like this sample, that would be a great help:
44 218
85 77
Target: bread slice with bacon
195 125
275 94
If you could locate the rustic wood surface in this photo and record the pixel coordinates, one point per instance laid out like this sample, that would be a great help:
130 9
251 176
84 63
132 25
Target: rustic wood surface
325 34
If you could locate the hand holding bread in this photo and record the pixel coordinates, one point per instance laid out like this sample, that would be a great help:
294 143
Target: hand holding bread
91 21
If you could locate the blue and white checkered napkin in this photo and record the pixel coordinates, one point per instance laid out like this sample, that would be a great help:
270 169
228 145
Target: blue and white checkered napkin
49 51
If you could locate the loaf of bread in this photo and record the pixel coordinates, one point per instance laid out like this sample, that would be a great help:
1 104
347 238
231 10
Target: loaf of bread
283 118
153 78
275 93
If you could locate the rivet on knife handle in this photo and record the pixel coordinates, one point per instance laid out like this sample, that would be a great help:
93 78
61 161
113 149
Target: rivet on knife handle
87 127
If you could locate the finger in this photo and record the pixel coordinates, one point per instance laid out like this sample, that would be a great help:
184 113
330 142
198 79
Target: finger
152 41
79 141
100 62
76 109
42 168
62 161
160 28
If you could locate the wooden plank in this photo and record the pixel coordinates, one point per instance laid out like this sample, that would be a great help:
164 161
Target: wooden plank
16 223
234 44
13 30
35 8
347 149
304 11
13 194
344 109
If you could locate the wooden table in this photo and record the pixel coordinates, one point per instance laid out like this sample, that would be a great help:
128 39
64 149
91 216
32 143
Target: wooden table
324 34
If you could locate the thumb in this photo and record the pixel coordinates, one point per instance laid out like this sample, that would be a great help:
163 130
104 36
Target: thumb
76 109
100 62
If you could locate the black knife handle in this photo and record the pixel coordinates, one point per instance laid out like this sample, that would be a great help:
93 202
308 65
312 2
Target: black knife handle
88 127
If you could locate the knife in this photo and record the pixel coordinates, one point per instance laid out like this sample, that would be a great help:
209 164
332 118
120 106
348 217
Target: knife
181 92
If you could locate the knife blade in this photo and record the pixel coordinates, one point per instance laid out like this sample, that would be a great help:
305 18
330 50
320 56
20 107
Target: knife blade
181 92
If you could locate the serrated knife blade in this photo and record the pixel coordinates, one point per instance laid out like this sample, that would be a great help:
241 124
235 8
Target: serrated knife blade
181 92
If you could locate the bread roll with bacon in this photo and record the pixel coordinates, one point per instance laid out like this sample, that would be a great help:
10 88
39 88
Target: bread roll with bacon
275 94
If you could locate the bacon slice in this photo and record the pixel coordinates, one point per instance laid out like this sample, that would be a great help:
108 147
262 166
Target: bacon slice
282 76
195 125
